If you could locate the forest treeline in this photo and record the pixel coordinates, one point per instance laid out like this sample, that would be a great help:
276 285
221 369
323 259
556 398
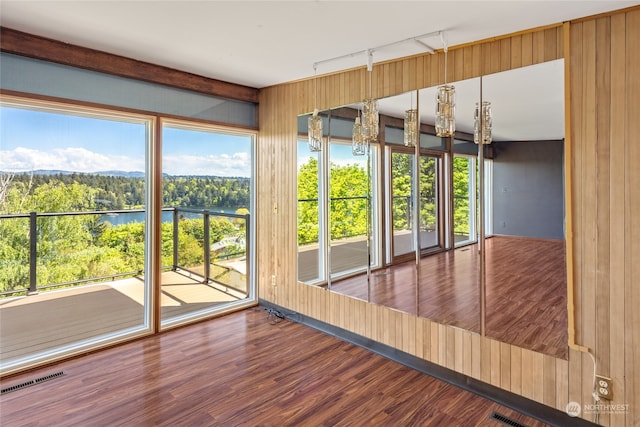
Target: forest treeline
126 192
73 248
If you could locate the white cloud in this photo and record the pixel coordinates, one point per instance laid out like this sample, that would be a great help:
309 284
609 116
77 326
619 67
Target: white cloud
23 159
237 164
73 159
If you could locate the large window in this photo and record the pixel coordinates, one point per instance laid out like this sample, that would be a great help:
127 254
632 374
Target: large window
73 226
207 188
77 222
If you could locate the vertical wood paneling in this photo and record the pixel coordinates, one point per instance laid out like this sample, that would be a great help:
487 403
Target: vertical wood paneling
617 210
476 348
467 353
515 364
505 366
527 373
562 383
605 105
496 365
632 218
448 355
505 54
588 156
485 360
548 380
458 355
602 288
527 49
537 367
516 51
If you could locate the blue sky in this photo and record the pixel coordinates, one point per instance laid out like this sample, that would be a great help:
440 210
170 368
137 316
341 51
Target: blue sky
32 140
341 154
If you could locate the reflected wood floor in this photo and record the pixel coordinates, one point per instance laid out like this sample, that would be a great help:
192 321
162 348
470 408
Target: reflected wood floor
526 302
241 370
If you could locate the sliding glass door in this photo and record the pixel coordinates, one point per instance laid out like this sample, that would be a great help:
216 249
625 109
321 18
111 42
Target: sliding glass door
401 173
73 227
207 181
464 199
430 218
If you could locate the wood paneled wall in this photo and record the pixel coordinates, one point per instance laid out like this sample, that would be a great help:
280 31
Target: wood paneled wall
604 126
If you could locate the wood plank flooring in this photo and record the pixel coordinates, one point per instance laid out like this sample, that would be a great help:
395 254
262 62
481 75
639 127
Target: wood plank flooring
525 291
241 370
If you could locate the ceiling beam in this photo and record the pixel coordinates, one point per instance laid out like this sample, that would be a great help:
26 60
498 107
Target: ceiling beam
24 44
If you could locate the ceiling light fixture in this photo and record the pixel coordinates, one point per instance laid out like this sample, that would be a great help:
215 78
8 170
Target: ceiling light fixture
482 123
370 116
357 141
446 103
410 127
315 121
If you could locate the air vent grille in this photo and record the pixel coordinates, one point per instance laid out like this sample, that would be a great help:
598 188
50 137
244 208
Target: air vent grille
31 382
506 420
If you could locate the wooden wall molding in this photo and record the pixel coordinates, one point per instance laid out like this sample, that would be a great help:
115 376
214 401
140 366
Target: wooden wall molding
19 43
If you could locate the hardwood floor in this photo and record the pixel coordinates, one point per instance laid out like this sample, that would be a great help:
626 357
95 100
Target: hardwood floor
241 370
525 291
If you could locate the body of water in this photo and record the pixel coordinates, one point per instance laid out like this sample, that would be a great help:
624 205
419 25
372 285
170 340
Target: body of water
167 216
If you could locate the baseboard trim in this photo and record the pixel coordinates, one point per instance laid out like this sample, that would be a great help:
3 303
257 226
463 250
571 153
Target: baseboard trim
528 407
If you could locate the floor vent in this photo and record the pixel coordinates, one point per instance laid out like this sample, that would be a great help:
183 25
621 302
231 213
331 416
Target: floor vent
31 382
506 420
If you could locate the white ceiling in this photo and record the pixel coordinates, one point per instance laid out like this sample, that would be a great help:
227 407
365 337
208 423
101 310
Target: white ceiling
262 43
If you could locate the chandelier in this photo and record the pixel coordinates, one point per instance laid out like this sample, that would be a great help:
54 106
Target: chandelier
446 104
482 123
358 146
315 122
369 123
410 127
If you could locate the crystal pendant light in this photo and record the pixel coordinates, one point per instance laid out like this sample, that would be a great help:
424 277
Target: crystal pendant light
410 127
315 121
482 123
370 116
370 120
446 105
358 146
315 131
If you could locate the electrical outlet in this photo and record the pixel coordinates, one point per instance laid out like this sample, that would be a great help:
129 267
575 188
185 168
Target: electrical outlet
273 280
604 387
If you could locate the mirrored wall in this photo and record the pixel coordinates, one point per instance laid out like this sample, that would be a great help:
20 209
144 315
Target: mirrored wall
437 228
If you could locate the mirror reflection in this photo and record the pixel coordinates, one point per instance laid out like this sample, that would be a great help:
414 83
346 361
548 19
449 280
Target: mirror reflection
525 254
400 226
333 203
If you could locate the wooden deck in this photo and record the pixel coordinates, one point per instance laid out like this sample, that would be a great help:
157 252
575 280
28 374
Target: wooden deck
242 370
48 320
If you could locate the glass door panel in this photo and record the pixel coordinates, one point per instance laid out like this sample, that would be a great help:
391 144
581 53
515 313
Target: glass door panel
310 235
464 199
429 213
348 210
401 218
206 201
73 198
